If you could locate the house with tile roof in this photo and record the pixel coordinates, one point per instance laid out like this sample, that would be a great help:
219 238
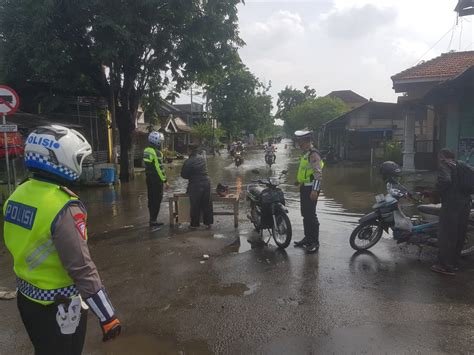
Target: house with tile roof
438 105
360 133
349 97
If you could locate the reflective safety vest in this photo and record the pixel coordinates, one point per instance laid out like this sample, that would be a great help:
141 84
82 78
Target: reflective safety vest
151 157
30 213
305 170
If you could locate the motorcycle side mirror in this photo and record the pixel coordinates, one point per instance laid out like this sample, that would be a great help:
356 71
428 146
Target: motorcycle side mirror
255 171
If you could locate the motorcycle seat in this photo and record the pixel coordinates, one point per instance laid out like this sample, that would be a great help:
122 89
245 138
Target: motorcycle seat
432 209
256 190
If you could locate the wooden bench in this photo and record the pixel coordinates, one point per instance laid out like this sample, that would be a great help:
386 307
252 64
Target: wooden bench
179 207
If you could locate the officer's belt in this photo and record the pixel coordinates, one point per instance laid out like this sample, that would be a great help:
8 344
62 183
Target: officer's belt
308 184
39 294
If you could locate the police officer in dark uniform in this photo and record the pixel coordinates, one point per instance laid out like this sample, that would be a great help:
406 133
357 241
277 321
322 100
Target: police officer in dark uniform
155 176
309 180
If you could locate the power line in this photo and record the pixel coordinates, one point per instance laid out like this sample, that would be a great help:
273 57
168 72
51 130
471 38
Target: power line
450 30
452 33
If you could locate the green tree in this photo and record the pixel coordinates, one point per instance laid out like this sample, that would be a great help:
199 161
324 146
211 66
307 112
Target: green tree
313 113
239 100
206 133
289 98
121 50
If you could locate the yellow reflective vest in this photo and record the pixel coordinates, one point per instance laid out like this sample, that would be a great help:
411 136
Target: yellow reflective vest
155 159
29 216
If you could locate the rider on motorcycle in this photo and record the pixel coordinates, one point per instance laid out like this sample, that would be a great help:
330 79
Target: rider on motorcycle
239 148
270 149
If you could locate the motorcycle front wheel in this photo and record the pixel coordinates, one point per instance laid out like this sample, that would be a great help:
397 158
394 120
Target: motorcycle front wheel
281 230
255 218
366 235
269 161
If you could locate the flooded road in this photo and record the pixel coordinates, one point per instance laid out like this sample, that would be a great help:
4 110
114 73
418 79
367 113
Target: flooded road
261 300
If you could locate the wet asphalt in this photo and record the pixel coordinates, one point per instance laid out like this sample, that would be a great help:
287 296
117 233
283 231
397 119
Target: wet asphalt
261 300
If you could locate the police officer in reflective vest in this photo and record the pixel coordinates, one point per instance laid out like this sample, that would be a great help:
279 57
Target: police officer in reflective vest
45 230
155 176
309 180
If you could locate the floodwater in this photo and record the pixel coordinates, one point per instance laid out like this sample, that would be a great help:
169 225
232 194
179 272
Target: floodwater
210 291
348 190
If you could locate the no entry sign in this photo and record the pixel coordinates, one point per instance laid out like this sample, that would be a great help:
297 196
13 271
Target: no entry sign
9 100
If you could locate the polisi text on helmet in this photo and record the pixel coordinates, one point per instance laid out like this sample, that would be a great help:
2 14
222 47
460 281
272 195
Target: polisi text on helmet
45 142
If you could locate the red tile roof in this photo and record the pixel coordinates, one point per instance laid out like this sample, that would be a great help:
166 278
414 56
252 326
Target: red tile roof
446 66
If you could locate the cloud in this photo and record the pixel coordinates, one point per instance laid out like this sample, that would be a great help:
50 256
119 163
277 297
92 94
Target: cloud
358 22
282 26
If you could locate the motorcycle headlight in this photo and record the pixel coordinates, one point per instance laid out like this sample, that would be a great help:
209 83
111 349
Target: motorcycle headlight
274 181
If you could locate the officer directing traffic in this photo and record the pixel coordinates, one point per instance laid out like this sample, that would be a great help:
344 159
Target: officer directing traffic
45 230
155 176
309 180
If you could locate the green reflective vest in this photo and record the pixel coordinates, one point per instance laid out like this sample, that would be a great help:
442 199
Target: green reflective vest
305 170
150 156
29 214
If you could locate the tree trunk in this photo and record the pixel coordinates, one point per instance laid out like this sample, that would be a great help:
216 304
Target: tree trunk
125 127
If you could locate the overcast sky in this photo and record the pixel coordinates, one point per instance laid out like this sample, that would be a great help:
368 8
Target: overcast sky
346 44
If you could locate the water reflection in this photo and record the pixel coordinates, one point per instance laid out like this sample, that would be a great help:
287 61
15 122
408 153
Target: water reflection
363 262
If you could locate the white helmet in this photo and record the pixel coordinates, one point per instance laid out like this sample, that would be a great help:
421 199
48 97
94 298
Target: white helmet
155 138
303 134
57 150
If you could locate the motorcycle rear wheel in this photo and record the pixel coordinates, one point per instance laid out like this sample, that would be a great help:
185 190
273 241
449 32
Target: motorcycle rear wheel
282 232
468 248
361 239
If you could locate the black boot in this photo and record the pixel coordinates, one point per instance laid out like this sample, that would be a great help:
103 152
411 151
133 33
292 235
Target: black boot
311 247
301 243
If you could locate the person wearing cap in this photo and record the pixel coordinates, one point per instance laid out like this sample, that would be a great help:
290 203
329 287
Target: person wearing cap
155 176
309 179
45 230
199 188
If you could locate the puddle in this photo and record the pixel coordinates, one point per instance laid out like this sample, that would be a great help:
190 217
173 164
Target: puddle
150 345
219 236
252 289
233 289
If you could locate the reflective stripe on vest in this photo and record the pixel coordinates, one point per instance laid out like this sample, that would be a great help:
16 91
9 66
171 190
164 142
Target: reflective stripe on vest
305 170
29 214
151 156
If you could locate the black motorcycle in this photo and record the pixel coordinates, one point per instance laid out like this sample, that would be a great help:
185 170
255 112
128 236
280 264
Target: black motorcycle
387 215
238 158
269 158
267 210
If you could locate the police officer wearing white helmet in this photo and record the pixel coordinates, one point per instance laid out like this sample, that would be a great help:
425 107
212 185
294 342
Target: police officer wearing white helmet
45 230
309 179
155 176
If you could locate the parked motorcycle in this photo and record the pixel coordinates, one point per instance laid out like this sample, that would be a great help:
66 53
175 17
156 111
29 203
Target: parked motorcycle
387 215
268 211
238 158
